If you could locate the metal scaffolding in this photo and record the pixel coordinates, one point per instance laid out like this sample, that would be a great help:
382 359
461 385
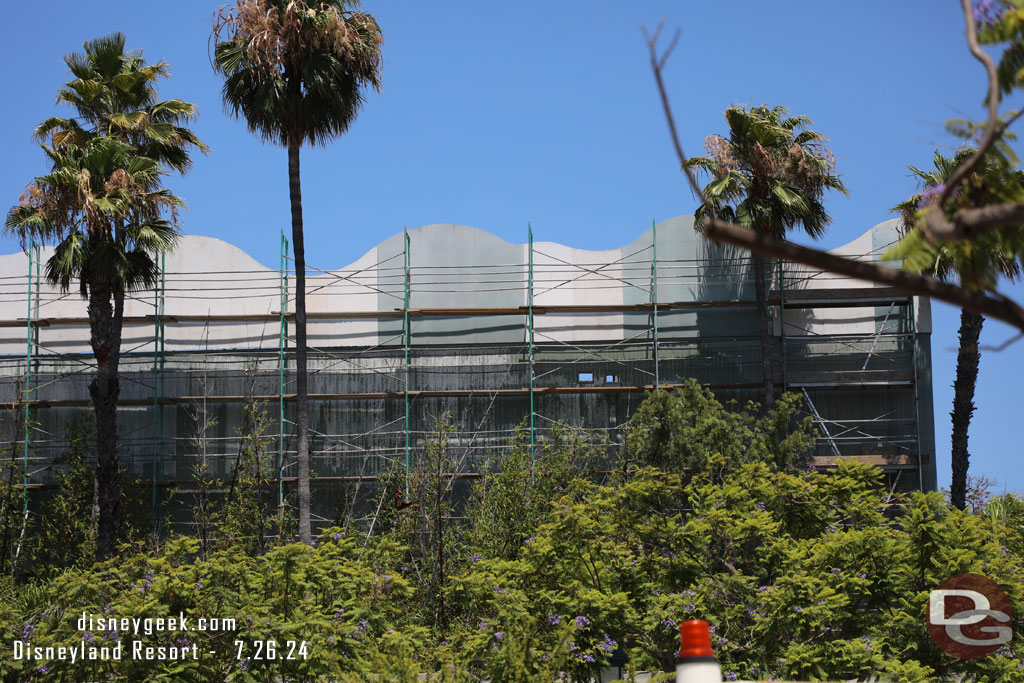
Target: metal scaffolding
599 334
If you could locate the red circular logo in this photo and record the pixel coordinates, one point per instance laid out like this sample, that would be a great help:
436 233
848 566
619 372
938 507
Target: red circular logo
968 616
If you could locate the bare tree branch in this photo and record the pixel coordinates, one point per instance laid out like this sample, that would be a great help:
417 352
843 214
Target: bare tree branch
991 132
657 64
967 222
1005 345
1000 308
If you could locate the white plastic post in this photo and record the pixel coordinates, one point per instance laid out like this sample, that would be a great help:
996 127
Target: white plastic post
697 663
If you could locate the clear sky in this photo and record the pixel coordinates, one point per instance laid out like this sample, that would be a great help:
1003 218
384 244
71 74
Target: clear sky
495 114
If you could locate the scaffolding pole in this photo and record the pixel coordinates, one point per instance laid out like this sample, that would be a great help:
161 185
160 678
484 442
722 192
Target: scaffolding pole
822 424
879 333
654 301
283 340
406 334
31 336
782 323
158 389
917 400
533 433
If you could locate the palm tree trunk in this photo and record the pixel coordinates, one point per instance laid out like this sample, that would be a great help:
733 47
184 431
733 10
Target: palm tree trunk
105 339
963 402
764 328
301 392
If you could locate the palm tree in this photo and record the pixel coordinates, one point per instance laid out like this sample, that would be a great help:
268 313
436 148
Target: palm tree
103 205
974 265
769 175
296 72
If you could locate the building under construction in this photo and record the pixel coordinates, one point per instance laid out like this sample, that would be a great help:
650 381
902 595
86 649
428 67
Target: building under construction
451 319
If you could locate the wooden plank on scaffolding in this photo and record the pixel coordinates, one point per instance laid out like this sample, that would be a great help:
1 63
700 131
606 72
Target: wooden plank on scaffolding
816 298
884 461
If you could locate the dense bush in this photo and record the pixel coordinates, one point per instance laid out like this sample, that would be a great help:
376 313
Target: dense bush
803 574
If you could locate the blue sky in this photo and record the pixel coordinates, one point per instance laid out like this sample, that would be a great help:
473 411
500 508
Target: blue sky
495 114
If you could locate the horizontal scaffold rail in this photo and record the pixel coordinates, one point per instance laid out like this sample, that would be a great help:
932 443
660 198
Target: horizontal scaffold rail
440 393
853 383
886 462
817 298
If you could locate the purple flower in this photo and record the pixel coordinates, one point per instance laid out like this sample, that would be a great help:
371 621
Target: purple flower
475 558
528 541
499 635
988 12
554 619
198 585
608 646
581 621
337 536
362 626
88 637
730 676
26 632
42 669
930 195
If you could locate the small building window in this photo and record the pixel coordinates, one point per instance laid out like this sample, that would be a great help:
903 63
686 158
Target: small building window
586 378
610 379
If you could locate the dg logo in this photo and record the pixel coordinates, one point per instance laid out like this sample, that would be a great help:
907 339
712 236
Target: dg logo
968 616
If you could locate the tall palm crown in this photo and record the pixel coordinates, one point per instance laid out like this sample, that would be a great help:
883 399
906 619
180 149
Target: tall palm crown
770 174
296 71
114 93
977 263
102 204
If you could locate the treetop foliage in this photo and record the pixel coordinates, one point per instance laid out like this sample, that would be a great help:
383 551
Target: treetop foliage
554 567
